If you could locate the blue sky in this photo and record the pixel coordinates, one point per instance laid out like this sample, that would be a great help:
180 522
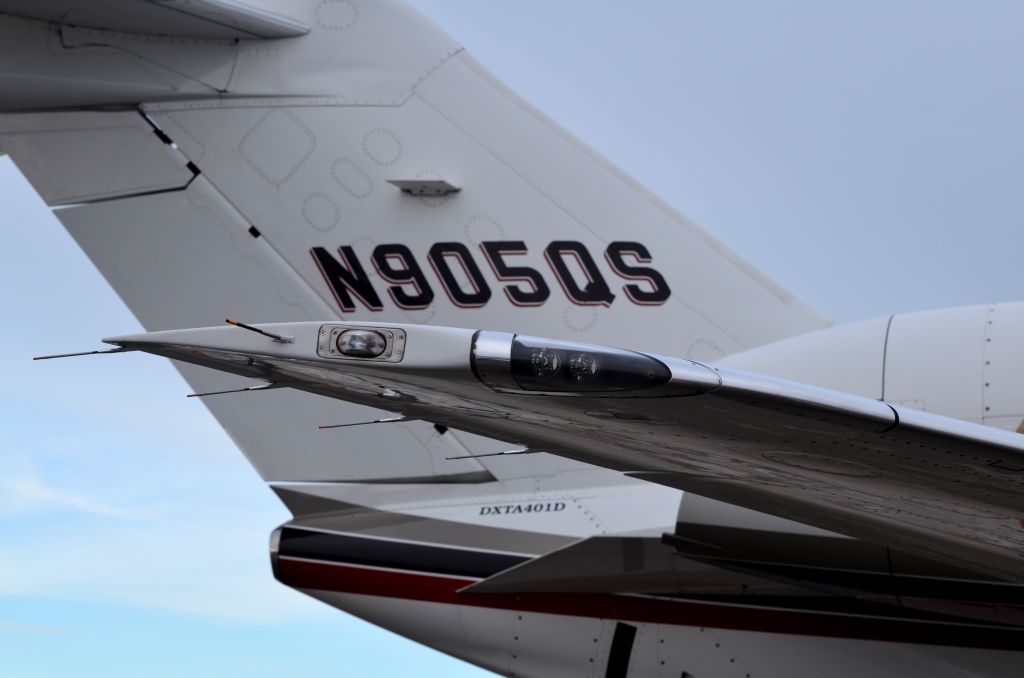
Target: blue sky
867 156
135 534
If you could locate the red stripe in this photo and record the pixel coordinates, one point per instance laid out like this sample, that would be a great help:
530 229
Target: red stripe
439 589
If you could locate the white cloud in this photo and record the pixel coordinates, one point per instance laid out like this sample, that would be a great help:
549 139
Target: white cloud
210 562
113 486
134 521
27 492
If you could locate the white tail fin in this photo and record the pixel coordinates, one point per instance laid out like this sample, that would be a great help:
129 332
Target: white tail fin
368 168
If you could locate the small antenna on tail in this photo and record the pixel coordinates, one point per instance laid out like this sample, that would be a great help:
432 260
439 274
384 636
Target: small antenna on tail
276 337
393 420
524 450
72 355
262 387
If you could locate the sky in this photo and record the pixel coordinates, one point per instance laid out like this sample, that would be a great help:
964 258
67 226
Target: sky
868 156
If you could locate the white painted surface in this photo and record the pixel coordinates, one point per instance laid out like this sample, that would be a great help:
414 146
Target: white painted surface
557 645
186 258
934 361
79 157
846 358
1004 366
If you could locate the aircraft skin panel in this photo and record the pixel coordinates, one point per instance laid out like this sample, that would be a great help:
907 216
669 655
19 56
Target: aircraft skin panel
848 358
354 558
556 164
772 617
843 463
198 19
37 70
207 65
513 639
910 375
269 158
330 190
188 256
572 504
1002 368
313 174
958 362
83 157
373 54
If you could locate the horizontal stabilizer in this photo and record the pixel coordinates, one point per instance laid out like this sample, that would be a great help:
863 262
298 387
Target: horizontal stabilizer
838 462
204 19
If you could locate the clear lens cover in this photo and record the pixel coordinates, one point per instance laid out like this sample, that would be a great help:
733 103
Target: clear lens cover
549 365
361 343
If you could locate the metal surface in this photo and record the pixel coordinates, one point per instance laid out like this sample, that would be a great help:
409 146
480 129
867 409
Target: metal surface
424 186
202 19
231 271
934 486
85 157
254 154
491 360
394 350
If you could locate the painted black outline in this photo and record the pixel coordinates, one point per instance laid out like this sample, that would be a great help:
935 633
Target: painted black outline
395 282
576 254
461 253
545 290
640 258
348 264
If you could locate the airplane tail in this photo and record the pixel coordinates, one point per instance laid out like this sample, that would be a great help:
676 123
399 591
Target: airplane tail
347 159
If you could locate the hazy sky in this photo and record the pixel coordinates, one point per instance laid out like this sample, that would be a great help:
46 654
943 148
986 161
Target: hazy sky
868 157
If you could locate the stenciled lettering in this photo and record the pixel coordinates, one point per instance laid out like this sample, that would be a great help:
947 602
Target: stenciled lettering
495 251
658 290
346 278
594 290
464 282
396 265
441 255
509 509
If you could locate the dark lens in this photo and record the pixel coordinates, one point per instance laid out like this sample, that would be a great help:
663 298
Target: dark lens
549 365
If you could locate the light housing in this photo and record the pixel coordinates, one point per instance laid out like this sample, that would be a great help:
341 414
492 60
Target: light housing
381 343
550 365
361 343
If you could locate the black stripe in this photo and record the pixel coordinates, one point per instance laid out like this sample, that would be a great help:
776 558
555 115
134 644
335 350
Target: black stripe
846 582
454 561
622 649
343 548
828 605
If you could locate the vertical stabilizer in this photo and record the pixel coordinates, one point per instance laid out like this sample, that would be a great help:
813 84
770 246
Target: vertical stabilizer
369 168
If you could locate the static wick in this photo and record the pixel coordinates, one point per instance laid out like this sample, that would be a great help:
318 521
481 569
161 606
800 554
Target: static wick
524 450
364 423
276 337
72 355
263 387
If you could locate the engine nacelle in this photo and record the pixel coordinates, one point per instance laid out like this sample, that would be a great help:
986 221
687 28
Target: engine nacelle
960 362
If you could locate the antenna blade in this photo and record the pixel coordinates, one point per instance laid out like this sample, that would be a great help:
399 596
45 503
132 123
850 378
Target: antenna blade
264 387
276 337
72 355
524 450
393 420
